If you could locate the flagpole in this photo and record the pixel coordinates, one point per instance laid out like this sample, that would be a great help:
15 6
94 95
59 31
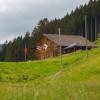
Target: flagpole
25 53
60 50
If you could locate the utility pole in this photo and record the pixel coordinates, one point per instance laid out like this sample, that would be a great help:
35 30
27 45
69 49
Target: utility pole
86 34
60 49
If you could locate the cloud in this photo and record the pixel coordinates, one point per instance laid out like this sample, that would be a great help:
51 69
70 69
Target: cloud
19 16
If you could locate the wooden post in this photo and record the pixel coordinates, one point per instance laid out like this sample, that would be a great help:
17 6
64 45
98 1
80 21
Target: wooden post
95 28
60 51
86 34
91 31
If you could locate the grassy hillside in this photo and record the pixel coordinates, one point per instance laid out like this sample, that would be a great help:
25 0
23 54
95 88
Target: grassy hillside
27 71
28 80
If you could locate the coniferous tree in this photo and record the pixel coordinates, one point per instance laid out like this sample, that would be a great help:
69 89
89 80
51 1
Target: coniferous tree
72 24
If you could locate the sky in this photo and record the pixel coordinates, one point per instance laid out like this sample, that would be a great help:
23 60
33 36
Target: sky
19 16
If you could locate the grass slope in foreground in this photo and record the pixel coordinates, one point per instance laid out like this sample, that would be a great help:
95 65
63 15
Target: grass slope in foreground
27 80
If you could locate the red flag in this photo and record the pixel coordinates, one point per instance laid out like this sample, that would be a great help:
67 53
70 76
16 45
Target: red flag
25 50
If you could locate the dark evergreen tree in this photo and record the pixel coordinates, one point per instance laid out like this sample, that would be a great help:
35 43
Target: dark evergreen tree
72 24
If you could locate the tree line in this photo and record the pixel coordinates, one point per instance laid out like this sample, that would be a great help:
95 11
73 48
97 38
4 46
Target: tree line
70 24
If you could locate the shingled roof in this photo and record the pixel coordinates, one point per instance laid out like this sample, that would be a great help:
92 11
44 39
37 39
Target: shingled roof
67 40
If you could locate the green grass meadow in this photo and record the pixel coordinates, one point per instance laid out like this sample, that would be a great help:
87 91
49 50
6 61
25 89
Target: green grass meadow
28 80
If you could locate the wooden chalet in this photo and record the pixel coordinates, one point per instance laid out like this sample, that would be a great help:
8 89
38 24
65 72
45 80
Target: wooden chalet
48 45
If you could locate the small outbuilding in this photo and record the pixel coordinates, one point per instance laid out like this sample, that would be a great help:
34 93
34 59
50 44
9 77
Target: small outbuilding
48 45
76 46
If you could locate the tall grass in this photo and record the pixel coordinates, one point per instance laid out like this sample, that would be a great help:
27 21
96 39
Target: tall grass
27 80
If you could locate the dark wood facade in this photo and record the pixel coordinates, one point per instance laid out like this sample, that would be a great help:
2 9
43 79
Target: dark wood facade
46 48
48 45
